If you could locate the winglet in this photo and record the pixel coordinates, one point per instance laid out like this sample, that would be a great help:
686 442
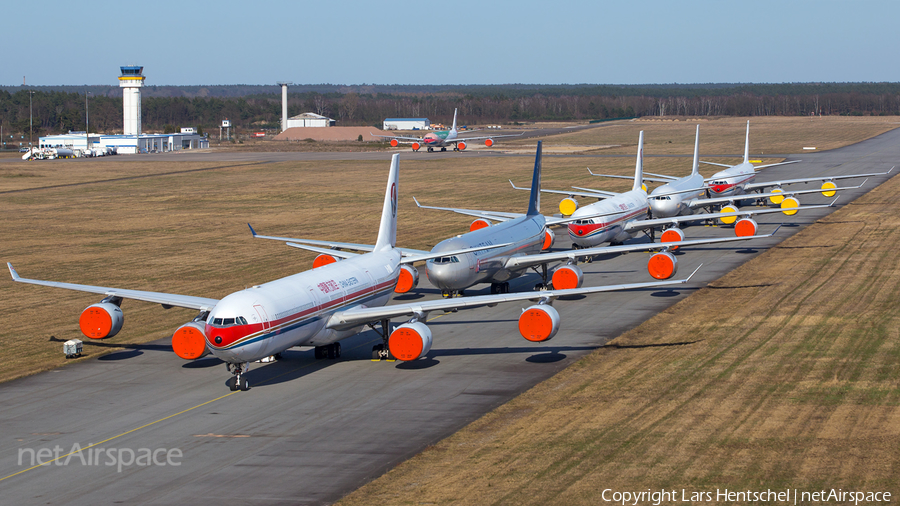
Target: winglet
692 274
534 203
864 182
12 271
892 168
833 201
776 229
251 230
590 171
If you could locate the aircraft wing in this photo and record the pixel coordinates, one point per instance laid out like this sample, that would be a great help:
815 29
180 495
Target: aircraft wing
400 137
467 139
166 299
597 194
674 220
811 179
405 260
360 315
333 244
524 261
757 167
489 215
787 193
718 164
656 178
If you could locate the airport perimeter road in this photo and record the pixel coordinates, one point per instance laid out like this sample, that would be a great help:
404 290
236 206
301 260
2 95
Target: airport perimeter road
310 431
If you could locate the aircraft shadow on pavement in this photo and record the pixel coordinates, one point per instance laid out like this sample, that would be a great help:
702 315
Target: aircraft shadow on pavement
203 363
423 363
541 351
656 345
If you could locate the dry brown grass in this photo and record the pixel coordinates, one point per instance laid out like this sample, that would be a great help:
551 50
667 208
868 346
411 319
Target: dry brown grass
785 373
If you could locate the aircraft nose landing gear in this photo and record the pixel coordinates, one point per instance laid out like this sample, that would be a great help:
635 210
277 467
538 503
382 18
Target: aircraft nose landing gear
238 381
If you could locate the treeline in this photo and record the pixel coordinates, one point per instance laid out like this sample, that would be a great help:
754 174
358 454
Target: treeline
61 109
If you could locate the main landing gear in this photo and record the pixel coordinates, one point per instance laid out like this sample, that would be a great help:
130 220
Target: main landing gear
238 381
382 351
499 288
449 294
331 351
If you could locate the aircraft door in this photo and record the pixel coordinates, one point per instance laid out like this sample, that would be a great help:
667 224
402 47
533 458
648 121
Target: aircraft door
263 316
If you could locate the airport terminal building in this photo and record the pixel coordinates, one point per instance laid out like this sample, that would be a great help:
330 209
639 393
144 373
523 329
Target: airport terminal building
406 124
127 144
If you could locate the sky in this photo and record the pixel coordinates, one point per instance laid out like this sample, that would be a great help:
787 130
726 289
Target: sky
452 42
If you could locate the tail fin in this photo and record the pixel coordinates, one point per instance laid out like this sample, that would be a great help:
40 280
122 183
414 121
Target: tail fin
747 144
639 165
387 232
534 204
695 169
454 121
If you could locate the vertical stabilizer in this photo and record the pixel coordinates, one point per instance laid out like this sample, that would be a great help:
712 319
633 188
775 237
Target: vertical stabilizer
695 169
747 144
534 205
387 232
453 128
639 165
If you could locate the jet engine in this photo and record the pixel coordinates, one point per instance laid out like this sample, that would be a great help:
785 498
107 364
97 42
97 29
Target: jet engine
789 206
567 276
189 341
488 142
323 259
828 189
728 220
394 143
776 199
745 227
539 323
408 279
461 146
410 341
101 320
673 234
549 239
479 224
416 146
567 206
662 265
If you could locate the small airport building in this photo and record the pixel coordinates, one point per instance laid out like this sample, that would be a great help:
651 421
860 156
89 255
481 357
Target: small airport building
128 144
406 124
309 119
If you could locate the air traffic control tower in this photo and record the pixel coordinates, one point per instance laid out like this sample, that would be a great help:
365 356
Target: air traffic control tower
131 81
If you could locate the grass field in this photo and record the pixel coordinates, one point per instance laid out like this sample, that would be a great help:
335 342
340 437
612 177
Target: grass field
785 373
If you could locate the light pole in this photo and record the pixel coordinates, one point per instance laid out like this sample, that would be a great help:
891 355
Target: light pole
87 128
31 120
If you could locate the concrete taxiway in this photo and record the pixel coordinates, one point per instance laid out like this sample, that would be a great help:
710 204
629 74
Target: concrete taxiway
310 431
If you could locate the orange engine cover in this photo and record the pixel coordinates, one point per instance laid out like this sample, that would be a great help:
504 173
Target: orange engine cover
416 146
408 279
461 145
102 320
662 265
549 239
189 341
410 341
567 276
323 259
394 143
479 224
539 323
672 235
745 227
488 142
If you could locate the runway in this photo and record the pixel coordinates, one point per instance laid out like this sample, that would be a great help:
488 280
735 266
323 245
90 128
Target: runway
310 431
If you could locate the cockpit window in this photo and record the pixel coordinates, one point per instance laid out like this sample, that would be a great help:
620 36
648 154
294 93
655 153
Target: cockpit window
584 222
224 322
447 260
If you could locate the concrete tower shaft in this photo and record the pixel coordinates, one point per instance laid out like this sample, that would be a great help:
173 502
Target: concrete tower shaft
131 81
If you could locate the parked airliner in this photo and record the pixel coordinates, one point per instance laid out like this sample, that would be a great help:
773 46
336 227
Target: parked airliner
318 307
442 139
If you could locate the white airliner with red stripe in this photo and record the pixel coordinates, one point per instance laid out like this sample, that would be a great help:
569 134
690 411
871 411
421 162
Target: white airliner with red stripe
317 308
